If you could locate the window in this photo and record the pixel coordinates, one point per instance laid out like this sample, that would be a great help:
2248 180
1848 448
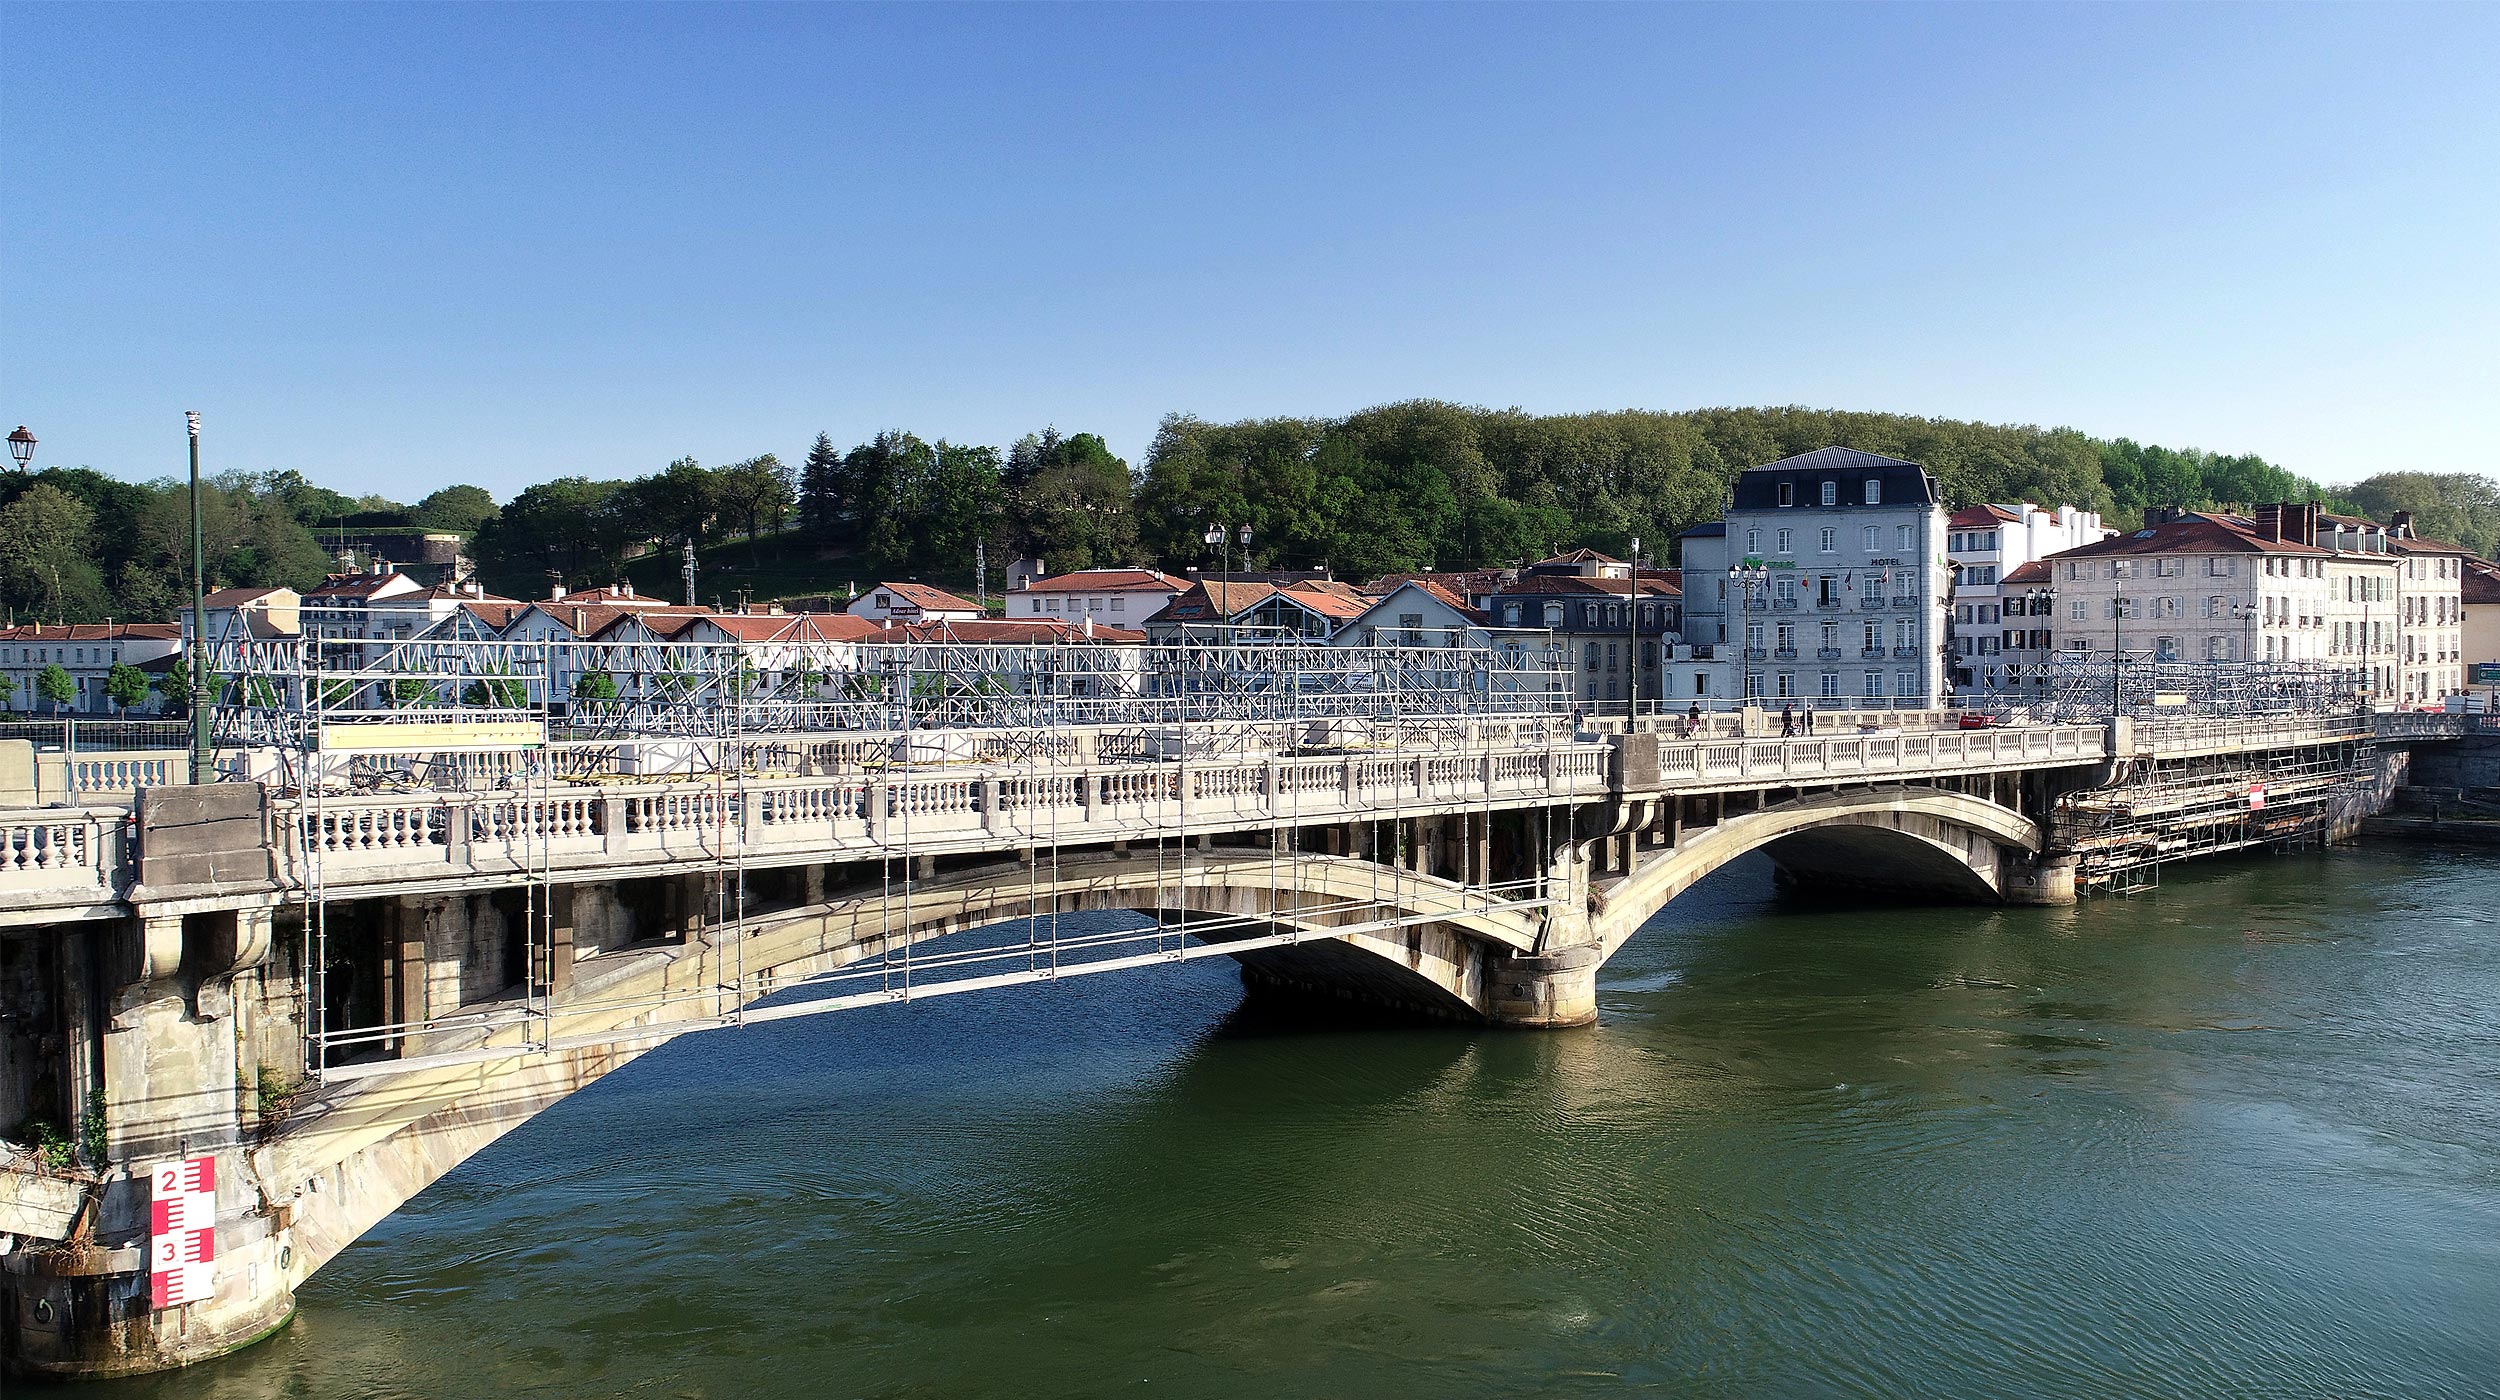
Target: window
1874 685
1831 540
1831 493
1874 636
1788 493
1871 538
1874 492
1788 685
1553 614
1701 683
1592 656
1831 685
1901 537
1783 539
1903 634
1905 684
1786 588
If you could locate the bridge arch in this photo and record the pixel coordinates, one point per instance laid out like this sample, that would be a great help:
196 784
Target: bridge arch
1925 839
378 1142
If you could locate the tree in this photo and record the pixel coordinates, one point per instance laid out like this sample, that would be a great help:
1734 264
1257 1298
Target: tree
1068 501
572 525
126 684
2457 507
878 481
455 508
594 685
173 685
820 497
757 491
54 684
44 549
675 504
957 502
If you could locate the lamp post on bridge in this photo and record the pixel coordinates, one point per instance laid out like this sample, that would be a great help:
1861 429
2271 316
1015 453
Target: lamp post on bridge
22 446
200 760
1749 577
1632 640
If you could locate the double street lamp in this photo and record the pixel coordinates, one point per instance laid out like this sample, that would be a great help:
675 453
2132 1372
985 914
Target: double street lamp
1749 578
1223 535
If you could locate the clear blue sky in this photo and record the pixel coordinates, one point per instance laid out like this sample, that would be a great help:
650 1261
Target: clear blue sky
395 247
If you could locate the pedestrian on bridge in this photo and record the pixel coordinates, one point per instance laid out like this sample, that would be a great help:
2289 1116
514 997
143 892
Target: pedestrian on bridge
1788 720
1692 721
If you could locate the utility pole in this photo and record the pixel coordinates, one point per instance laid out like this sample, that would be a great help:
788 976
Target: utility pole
687 569
201 763
981 574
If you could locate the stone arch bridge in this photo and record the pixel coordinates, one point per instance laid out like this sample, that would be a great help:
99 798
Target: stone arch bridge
444 965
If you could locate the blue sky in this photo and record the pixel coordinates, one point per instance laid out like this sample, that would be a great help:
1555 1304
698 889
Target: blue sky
395 247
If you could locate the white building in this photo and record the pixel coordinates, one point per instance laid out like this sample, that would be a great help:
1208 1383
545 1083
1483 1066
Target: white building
87 652
1986 543
913 602
1841 592
1113 597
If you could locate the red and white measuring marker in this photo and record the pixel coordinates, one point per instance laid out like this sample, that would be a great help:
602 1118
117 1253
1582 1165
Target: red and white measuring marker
182 1231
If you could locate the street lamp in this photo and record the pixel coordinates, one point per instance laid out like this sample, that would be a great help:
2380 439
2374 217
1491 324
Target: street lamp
199 618
22 446
1749 576
1632 640
1223 535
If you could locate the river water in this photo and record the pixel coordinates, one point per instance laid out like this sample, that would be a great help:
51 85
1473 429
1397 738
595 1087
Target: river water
2240 1137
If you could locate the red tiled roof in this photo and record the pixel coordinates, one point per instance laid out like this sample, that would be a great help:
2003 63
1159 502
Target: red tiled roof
1979 517
2481 583
92 632
494 612
2037 571
238 597
2194 534
614 595
928 599
359 585
1579 556
1106 581
1470 581
1021 631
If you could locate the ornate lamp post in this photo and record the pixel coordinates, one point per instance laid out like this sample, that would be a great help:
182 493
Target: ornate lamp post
1632 640
22 446
200 761
1749 578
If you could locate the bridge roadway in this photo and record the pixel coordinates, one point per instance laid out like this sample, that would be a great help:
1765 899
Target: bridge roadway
476 956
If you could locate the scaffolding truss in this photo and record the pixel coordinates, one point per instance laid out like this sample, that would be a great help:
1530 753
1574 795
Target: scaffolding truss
504 724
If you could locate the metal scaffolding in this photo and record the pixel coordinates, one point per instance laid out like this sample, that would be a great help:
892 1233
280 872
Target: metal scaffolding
497 727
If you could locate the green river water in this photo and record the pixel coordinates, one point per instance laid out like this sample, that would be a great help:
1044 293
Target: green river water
2240 1137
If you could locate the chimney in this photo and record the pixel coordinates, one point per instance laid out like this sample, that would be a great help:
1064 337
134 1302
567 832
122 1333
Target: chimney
2400 524
558 595
2270 523
1089 624
629 588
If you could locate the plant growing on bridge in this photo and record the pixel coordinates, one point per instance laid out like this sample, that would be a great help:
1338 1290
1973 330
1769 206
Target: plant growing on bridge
91 1136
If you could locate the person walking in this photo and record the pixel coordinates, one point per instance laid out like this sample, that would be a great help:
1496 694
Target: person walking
1692 721
1788 720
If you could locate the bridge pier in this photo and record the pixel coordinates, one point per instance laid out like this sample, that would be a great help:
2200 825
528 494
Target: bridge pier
1543 991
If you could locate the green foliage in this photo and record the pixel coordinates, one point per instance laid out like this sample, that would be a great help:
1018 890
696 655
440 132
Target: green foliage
414 694
46 554
1067 501
272 1093
571 525
757 491
456 508
674 504
820 482
594 685
126 684
2456 507
495 692
173 685
52 1146
91 1129
54 684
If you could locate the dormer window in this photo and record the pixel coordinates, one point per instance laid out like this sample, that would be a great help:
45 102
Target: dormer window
1831 493
1788 493
1874 492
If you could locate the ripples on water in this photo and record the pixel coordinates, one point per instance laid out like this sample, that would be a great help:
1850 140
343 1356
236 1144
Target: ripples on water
2239 1138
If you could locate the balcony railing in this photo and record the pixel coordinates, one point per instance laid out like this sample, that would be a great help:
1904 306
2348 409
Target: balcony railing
1753 653
1783 605
1905 653
1829 653
1786 653
1871 653
1871 600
